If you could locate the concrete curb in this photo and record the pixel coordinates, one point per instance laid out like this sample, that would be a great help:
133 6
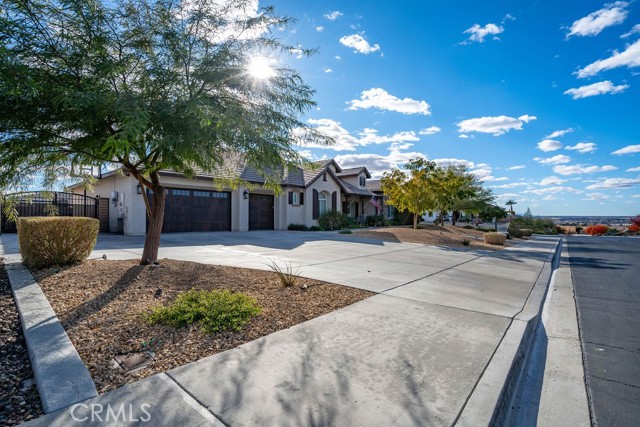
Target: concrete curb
489 403
61 377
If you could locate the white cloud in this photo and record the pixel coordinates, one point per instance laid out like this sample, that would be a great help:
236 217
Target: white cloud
636 169
614 183
629 149
320 28
494 125
594 23
580 169
327 70
582 147
549 197
555 160
558 133
453 162
554 190
551 180
549 145
596 196
380 99
513 168
512 185
430 130
332 16
376 163
463 136
338 58
630 57
484 173
345 141
632 31
599 88
359 44
636 196
478 33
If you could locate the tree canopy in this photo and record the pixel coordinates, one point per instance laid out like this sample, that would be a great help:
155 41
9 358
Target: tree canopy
409 191
145 86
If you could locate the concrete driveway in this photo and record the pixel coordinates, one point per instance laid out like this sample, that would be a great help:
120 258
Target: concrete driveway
409 356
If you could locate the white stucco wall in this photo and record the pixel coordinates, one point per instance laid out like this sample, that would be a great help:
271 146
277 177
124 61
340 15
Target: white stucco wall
328 186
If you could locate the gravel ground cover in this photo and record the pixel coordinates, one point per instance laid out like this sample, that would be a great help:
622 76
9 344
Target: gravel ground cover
430 235
19 400
102 306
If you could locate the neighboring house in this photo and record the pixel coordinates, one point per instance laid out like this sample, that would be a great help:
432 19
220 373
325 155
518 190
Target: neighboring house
195 204
375 186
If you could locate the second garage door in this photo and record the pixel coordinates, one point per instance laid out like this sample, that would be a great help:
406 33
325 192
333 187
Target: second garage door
196 210
260 212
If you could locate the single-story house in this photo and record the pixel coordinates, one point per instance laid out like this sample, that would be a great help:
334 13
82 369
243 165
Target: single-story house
195 204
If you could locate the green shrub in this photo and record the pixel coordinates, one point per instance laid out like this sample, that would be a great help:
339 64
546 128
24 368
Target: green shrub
526 232
49 241
468 227
215 311
333 220
486 230
347 231
514 231
375 221
466 242
314 228
495 238
297 227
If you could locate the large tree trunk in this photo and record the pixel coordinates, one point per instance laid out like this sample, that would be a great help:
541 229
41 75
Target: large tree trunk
156 217
415 221
454 217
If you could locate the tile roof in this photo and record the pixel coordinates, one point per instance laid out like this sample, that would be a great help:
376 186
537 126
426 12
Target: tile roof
354 171
353 190
374 185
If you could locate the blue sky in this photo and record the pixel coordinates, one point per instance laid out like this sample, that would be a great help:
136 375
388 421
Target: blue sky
539 99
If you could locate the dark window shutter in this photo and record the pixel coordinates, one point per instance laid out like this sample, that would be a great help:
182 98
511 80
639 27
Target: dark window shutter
301 198
324 176
357 211
316 205
334 201
290 197
345 207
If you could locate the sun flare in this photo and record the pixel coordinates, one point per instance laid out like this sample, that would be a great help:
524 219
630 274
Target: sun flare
261 68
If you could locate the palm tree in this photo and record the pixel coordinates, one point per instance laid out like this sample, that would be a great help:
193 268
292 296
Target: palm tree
510 203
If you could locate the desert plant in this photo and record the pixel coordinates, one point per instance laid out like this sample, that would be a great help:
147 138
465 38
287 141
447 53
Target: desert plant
297 227
495 238
333 220
466 242
49 241
526 232
287 273
214 310
597 230
469 227
514 231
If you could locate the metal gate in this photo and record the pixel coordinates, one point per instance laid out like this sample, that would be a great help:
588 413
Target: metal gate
46 203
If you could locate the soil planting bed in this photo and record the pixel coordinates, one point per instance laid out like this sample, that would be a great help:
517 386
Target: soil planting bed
19 400
448 235
102 305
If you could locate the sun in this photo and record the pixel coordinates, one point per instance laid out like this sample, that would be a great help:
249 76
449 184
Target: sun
261 68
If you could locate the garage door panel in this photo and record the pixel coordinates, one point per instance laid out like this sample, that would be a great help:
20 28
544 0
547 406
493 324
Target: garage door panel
196 210
261 212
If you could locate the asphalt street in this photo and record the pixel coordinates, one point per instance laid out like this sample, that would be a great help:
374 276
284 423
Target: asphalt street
606 278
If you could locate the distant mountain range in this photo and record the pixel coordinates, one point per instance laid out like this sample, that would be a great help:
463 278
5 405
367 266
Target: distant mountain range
586 220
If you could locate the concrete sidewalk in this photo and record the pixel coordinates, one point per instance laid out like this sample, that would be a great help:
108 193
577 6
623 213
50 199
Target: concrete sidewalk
411 355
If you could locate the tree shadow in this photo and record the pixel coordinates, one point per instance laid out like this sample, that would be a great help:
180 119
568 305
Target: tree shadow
72 317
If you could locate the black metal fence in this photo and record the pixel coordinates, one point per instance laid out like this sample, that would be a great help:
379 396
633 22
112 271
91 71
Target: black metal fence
46 203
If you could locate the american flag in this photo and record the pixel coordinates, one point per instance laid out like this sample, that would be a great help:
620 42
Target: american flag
375 203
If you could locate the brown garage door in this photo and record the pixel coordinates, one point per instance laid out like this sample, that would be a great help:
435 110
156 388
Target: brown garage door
260 212
196 210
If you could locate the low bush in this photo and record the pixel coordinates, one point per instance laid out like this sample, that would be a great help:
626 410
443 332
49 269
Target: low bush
466 242
347 231
495 238
486 230
514 231
375 221
49 241
634 228
333 220
314 228
597 230
215 311
297 227
526 232
469 227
